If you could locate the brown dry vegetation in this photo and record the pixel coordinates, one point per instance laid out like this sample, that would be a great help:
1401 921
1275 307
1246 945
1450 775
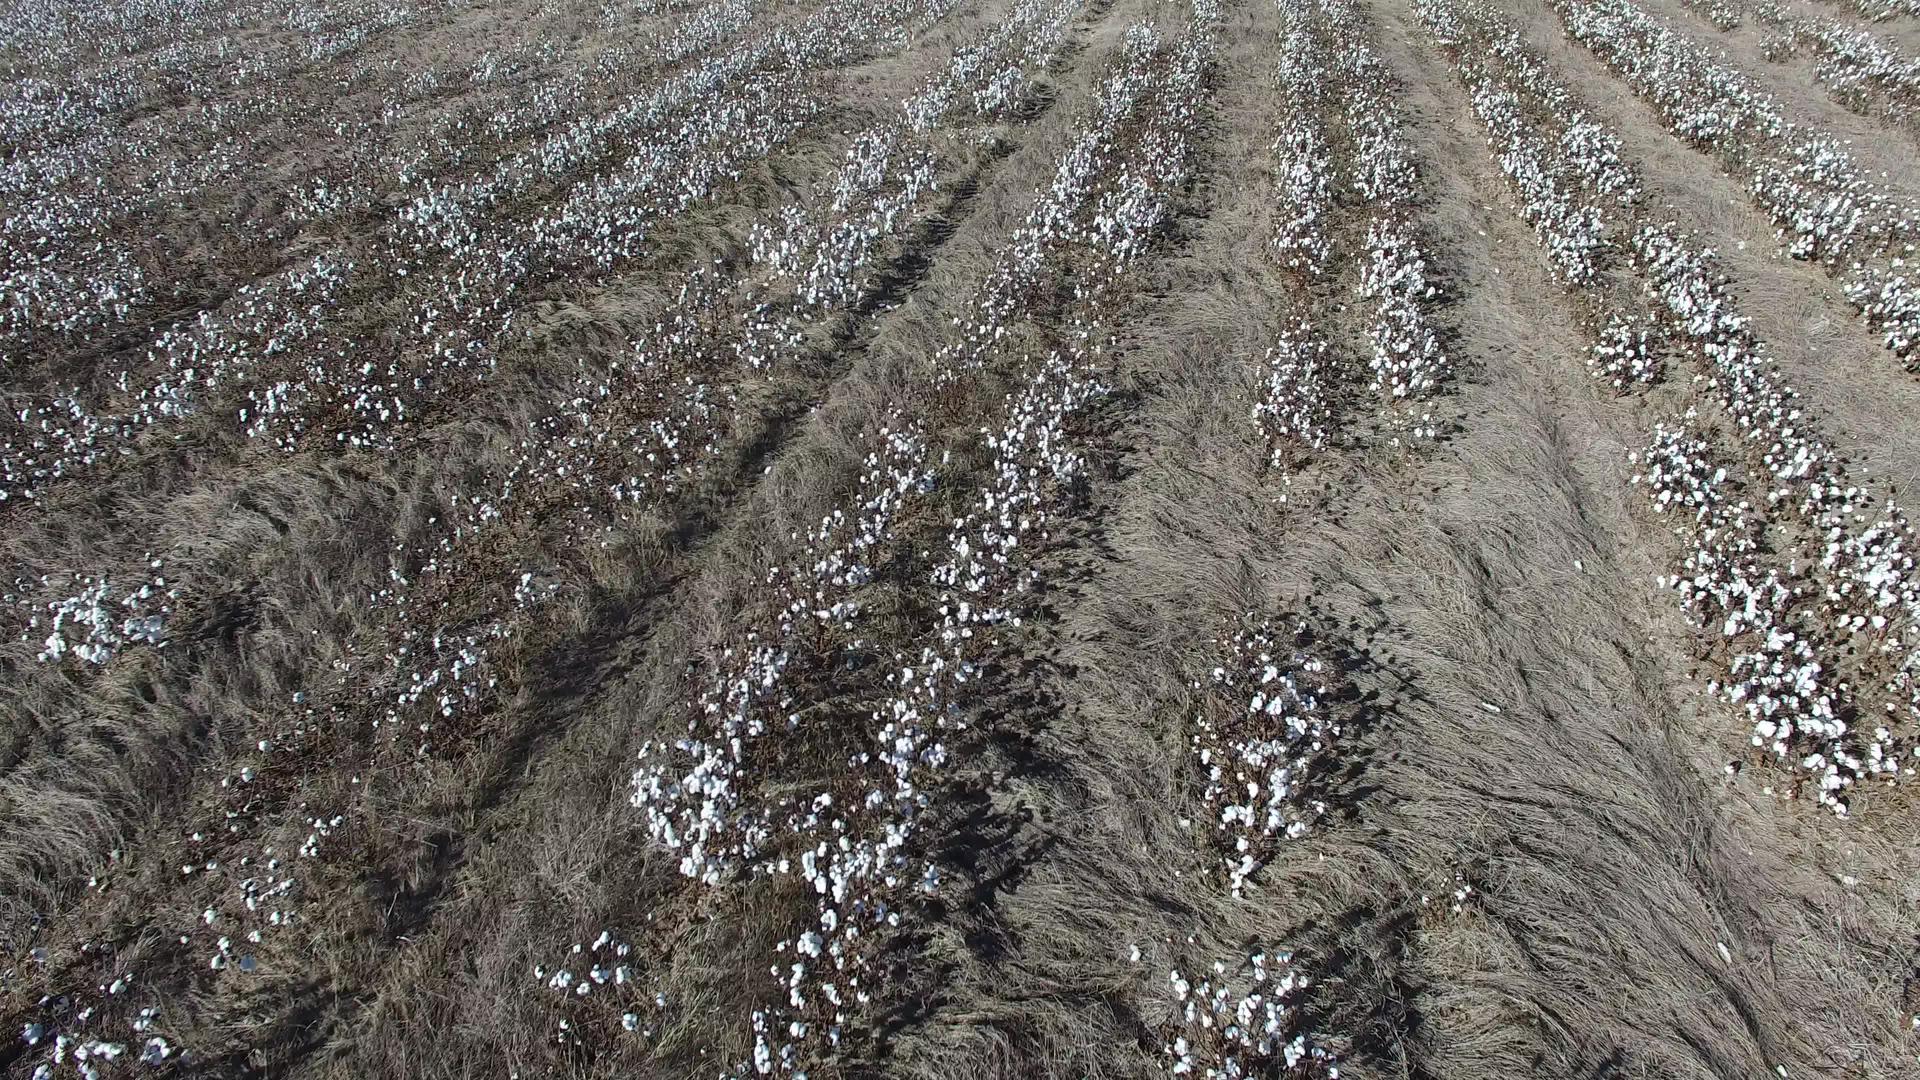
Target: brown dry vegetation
396 780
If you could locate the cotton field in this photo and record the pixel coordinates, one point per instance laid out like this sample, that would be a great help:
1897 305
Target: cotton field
958 538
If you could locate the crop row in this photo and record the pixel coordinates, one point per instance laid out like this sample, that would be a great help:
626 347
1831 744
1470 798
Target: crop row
320 380
1823 204
632 436
993 74
56 35
462 251
1799 582
449 625
626 437
1268 719
1266 738
104 165
1570 180
1865 73
1880 10
1342 132
732 798
1344 177
468 261
1724 14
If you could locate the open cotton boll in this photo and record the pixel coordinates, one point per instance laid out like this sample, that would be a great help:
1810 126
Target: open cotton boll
1244 1021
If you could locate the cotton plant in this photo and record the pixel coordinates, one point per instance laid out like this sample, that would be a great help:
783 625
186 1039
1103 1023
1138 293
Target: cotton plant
1111 190
1801 577
576 460
1571 228
669 448
1408 361
1774 666
993 75
695 792
1880 10
1265 736
1626 353
825 253
183 366
1825 206
1243 1021
605 975
1330 78
1866 73
1303 167
96 1029
1293 407
464 267
86 1043
1864 596
706 27
983 583
854 846
1723 14
98 619
1569 176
